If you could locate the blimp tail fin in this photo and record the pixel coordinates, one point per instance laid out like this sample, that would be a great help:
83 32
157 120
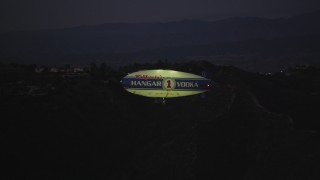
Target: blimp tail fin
204 74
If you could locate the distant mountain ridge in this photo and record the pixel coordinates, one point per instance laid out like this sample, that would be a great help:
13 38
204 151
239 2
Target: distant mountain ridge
109 41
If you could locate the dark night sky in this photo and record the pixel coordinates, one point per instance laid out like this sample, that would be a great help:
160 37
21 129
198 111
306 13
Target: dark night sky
39 14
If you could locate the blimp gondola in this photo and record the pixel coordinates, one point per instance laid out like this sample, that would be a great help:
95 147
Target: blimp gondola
160 83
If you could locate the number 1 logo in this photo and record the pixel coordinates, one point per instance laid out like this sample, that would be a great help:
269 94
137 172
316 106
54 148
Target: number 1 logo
168 84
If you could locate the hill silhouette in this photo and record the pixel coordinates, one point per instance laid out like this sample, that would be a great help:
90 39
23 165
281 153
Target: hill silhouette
262 42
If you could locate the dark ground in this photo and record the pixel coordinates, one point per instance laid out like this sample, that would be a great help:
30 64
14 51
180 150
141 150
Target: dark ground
251 126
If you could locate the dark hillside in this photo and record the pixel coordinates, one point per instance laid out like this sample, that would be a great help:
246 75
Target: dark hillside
250 43
89 127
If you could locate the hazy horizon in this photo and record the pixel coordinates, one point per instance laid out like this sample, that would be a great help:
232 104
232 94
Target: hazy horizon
39 15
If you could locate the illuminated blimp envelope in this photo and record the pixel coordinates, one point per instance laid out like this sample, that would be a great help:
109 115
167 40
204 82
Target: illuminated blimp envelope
165 83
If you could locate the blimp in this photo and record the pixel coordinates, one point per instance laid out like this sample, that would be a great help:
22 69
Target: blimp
163 83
